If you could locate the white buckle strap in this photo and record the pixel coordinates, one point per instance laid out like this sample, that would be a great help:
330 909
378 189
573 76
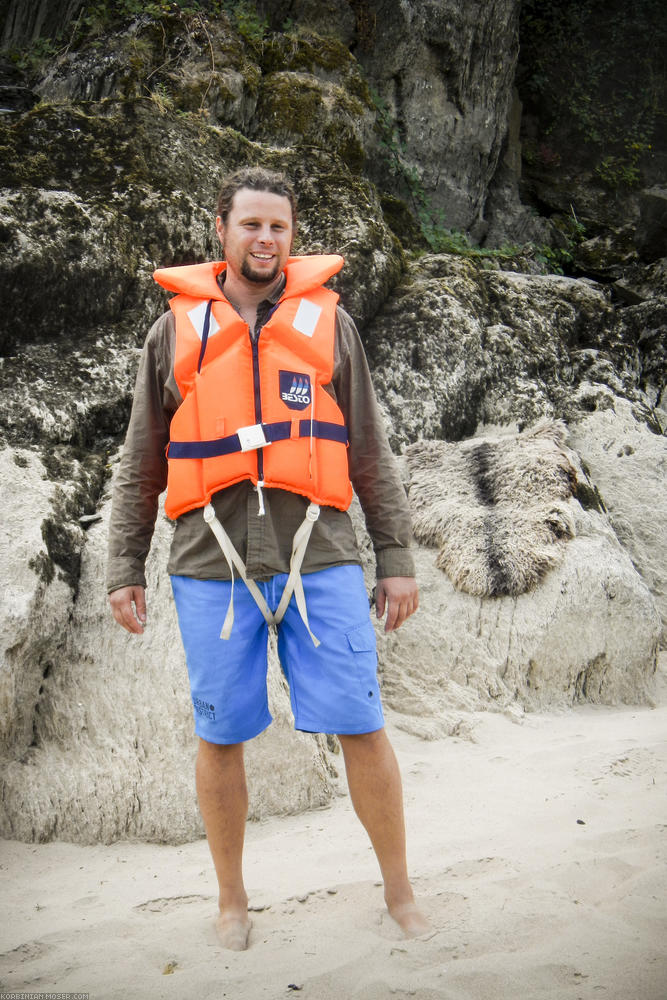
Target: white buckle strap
293 584
252 437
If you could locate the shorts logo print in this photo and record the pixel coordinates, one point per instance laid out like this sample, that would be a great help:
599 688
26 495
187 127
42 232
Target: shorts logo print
204 708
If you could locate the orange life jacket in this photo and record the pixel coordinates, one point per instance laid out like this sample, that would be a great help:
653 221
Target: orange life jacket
255 410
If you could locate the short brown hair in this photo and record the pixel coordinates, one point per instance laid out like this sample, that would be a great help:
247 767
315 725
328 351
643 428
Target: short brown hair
256 179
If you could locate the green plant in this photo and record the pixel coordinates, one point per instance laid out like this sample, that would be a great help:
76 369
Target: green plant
31 57
552 259
161 99
99 16
595 76
250 26
615 171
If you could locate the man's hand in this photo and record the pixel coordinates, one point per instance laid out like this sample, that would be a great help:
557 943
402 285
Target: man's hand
128 606
400 596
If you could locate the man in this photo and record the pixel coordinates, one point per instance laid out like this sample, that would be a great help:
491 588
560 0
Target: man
257 386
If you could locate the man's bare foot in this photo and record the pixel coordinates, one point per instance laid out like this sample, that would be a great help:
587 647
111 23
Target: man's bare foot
410 919
233 929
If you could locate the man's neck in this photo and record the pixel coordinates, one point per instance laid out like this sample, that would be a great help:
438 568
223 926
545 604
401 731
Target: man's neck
247 295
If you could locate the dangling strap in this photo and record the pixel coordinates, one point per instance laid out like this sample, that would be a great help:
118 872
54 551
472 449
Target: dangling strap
234 559
293 585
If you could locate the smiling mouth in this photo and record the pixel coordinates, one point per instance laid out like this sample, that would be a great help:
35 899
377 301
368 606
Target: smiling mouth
261 256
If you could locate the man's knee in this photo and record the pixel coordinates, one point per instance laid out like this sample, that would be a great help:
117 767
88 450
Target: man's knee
220 751
363 741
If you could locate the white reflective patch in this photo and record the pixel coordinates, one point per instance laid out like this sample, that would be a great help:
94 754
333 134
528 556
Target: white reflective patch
197 317
306 317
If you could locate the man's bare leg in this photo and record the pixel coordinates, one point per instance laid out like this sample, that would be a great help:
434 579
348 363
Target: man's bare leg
223 802
375 789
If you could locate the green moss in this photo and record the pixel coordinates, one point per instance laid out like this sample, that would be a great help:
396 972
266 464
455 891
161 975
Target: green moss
100 149
290 103
193 95
252 76
401 221
301 50
297 106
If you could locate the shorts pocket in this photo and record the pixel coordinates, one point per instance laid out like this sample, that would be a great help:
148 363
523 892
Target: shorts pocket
362 638
364 665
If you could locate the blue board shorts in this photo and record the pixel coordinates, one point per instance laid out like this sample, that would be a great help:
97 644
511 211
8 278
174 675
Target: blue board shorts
333 688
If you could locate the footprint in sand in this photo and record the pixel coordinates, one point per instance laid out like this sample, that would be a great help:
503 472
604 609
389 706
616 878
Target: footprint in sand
167 903
29 951
472 868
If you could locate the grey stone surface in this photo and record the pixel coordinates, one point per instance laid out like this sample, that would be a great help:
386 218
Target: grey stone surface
98 741
445 71
588 632
628 464
36 602
458 344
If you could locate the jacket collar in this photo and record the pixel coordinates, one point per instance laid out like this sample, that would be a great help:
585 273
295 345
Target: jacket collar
201 280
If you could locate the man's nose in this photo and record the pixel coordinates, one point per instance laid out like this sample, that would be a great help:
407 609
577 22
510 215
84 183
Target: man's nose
265 235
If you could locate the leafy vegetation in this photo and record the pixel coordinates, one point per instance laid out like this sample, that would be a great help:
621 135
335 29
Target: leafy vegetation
596 76
101 16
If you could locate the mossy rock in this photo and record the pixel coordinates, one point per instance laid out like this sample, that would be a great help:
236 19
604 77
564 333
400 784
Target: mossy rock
183 62
297 108
606 256
303 51
402 222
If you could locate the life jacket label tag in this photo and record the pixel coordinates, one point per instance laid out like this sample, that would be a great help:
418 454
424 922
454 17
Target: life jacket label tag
197 317
306 317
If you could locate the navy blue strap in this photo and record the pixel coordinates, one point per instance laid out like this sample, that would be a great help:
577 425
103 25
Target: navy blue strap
280 431
204 334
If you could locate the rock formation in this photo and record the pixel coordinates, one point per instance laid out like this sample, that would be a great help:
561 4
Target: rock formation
386 116
100 726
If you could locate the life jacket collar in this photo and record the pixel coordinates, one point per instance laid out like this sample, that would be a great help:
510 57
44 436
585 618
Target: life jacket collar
200 281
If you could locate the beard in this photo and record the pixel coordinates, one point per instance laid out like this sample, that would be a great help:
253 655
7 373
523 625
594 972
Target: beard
259 277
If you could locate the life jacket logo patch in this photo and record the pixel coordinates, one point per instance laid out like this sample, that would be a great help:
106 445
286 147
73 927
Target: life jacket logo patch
295 390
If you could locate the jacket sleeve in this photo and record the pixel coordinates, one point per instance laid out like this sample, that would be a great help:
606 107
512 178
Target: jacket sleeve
373 468
142 475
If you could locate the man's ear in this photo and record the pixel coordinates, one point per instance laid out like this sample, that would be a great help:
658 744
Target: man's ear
220 230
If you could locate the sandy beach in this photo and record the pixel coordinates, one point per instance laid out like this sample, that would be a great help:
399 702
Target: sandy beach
538 849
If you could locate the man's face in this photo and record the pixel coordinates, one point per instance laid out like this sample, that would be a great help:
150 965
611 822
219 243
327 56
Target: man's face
257 237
